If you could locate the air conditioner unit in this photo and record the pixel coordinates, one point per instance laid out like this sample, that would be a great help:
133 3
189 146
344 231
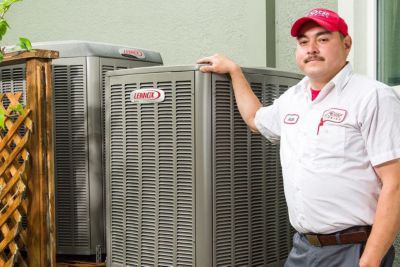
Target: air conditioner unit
187 183
78 93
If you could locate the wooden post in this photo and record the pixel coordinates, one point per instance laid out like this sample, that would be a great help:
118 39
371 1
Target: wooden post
41 245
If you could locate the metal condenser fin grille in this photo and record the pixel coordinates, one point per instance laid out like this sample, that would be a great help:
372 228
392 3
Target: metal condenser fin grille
152 202
71 156
188 183
250 210
117 157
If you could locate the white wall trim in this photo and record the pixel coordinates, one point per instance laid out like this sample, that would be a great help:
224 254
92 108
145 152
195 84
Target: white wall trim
361 16
397 89
346 11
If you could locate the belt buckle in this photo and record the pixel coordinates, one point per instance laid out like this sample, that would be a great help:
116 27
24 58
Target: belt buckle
313 239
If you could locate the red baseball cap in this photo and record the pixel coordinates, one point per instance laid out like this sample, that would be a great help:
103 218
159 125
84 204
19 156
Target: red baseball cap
326 18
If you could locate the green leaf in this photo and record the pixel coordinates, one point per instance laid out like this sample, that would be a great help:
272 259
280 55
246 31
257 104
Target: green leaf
18 108
7 25
24 43
3 28
2 119
6 4
1 56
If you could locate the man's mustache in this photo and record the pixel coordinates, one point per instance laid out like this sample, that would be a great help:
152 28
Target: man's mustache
313 58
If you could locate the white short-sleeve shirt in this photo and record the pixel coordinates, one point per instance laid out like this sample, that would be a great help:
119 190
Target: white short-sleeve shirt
329 147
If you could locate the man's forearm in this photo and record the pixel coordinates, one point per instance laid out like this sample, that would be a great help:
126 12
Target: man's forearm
247 102
386 225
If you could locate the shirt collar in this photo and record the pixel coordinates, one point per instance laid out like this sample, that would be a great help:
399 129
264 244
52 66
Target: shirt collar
342 77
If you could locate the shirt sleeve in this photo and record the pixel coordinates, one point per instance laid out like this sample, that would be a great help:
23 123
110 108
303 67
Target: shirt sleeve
380 125
267 122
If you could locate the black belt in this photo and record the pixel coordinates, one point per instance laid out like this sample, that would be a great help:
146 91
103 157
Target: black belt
353 235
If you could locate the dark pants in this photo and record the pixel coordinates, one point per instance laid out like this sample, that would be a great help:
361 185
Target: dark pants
303 254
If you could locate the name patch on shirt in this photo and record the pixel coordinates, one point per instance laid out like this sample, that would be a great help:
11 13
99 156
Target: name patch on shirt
291 118
334 115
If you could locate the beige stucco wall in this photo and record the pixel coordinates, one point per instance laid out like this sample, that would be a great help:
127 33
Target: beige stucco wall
181 31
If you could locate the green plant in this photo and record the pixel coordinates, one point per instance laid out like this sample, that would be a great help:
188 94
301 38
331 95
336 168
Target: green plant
18 109
24 43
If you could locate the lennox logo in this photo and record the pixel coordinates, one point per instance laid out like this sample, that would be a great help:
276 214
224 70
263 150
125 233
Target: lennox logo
151 95
131 52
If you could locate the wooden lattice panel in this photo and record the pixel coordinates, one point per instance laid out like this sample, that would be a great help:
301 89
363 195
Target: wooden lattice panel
14 165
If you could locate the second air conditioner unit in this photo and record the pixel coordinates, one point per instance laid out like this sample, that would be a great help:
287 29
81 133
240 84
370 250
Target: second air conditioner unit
78 94
187 183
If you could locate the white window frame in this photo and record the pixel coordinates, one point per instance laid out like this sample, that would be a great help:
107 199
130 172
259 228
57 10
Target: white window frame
362 16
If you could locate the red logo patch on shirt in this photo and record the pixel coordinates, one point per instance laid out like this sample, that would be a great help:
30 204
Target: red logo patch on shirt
334 115
291 118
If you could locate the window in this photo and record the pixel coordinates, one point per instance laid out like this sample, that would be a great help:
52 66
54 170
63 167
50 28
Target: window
389 42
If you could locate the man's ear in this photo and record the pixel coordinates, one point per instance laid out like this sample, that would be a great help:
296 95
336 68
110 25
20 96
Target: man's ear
347 42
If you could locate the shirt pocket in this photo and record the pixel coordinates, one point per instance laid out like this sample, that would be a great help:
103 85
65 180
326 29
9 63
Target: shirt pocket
326 148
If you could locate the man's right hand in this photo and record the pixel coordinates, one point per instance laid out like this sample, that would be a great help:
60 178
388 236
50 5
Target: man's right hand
247 101
218 64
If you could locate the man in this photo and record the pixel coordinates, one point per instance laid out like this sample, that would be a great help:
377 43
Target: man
340 148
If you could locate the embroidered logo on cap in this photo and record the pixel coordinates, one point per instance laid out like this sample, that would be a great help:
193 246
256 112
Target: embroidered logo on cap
319 13
291 118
